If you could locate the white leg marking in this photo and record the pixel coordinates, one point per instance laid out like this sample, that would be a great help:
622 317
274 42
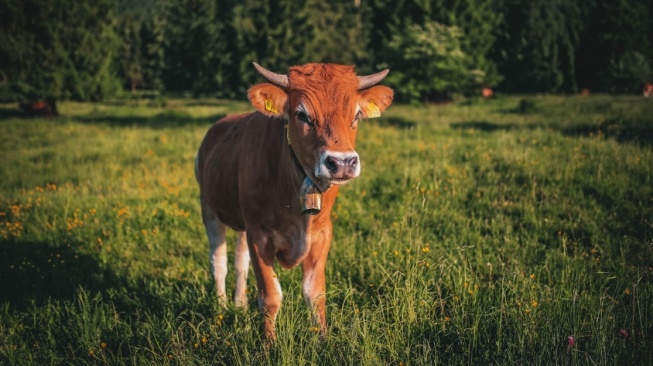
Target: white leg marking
215 231
278 286
242 268
309 295
219 267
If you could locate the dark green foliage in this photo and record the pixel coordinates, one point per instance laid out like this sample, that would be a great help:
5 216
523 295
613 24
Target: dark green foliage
478 20
617 46
141 26
279 34
196 49
428 61
58 49
435 48
536 46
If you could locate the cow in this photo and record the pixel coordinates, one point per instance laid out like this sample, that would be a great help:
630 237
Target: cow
47 108
273 176
647 90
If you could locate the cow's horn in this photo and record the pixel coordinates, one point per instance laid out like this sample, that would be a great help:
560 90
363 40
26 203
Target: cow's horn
276 79
365 82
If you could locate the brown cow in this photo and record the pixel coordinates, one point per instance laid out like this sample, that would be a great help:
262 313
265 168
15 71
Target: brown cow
47 108
273 176
647 90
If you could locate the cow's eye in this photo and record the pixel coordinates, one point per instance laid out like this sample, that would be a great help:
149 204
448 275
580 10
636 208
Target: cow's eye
358 117
302 116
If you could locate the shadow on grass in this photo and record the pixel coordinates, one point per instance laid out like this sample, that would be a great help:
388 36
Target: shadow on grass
165 119
396 122
624 131
34 273
633 131
484 126
162 120
6 113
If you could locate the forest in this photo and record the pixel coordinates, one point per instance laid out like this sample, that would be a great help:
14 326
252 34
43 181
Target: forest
436 49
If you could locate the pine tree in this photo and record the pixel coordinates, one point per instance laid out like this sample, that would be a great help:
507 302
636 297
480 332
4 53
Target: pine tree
196 51
58 49
537 44
140 25
479 20
617 46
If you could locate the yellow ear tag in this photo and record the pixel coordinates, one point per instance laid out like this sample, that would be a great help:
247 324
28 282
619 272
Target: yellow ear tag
269 107
372 110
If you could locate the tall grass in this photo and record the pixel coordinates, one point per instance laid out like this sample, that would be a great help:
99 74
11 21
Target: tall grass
480 232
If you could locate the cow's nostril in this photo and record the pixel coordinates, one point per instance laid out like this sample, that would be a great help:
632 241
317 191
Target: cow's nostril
331 164
352 161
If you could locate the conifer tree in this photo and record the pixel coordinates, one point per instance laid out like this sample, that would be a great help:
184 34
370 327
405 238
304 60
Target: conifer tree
196 49
140 25
479 20
616 52
58 49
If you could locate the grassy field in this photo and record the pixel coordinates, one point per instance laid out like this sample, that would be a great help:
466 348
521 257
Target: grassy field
517 230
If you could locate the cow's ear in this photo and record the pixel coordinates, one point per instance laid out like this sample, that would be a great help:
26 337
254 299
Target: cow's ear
375 100
268 99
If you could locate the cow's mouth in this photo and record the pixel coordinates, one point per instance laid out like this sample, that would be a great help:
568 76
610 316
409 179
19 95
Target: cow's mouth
340 181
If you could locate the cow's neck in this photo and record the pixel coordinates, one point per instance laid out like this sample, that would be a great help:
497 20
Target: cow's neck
297 170
309 196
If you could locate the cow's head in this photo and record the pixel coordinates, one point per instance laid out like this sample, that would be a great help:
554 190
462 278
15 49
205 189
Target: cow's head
323 104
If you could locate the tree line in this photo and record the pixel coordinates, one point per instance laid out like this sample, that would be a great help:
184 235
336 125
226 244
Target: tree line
90 50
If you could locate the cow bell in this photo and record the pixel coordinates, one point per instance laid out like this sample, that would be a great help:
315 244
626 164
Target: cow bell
310 198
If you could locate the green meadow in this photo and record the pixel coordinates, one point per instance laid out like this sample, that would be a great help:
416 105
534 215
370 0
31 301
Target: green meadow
516 230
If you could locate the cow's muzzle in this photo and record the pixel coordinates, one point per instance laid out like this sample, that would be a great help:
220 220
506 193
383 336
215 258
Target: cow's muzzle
338 167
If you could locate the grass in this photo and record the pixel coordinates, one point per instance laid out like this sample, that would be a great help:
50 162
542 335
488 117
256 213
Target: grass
480 232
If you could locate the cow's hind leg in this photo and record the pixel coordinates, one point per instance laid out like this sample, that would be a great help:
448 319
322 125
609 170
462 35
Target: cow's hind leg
242 267
216 231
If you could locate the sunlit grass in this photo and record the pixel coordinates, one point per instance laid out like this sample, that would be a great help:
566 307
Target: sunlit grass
478 233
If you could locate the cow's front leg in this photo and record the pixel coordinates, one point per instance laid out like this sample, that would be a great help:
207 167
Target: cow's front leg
269 291
314 284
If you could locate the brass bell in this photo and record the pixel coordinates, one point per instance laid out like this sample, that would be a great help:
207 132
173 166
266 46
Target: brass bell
310 198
